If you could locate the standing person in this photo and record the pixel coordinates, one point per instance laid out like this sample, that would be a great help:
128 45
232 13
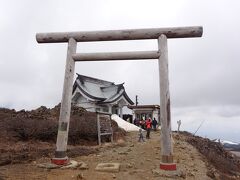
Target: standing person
179 124
142 124
154 123
148 126
140 136
135 121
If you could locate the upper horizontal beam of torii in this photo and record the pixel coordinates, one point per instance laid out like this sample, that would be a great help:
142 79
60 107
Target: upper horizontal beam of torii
129 34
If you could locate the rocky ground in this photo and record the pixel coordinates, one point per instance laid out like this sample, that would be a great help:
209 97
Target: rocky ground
29 135
226 162
137 161
27 139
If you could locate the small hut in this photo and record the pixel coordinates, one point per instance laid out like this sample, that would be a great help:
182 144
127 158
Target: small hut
146 111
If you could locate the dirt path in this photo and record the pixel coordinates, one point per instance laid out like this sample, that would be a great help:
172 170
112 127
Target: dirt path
139 161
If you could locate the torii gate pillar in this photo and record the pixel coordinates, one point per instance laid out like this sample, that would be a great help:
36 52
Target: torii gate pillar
64 117
165 110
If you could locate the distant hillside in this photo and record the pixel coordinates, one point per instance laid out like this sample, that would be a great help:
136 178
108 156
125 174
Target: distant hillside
228 145
232 147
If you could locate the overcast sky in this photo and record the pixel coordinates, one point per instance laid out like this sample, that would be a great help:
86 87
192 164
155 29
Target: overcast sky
204 72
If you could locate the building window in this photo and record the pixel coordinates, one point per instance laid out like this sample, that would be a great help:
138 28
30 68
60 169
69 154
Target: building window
105 109
97 109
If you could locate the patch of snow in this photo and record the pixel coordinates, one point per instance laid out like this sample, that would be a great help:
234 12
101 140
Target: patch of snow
226 142
124 124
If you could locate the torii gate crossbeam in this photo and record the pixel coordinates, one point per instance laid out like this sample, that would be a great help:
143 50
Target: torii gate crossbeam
162 34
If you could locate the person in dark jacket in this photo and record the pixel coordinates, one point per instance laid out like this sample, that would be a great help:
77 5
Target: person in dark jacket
135 121
154 123
142 124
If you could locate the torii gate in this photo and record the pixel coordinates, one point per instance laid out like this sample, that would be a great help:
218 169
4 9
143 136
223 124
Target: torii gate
161 34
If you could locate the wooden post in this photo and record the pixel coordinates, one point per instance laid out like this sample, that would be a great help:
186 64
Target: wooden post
110 56
64 118
111 128
121 111
165 115
110 109
99 129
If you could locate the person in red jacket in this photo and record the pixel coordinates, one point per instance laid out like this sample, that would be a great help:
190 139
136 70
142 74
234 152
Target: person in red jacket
148 126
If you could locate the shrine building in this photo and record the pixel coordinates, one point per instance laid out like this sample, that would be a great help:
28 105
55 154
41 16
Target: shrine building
98 95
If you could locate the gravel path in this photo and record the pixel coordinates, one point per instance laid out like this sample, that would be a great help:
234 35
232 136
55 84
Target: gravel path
138 161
